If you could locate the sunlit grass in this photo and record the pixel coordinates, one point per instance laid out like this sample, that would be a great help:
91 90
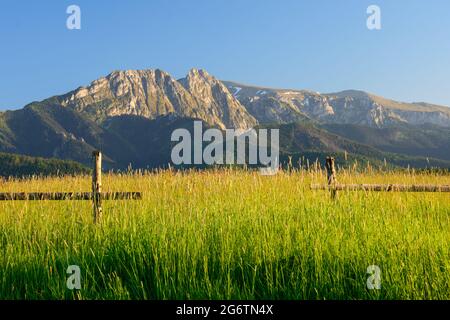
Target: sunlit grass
228 234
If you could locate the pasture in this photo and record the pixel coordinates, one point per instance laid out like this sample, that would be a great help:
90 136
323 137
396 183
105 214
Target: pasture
227 234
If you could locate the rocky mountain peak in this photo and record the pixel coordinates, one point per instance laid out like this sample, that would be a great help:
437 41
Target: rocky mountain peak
216 100
147 93
201 84
202 73
152 93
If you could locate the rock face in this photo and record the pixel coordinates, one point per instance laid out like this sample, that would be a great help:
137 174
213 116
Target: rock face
218 104
348 107
146 93
153 93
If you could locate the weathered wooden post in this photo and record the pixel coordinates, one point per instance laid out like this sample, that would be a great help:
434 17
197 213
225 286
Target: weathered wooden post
331 176
290 167
97 186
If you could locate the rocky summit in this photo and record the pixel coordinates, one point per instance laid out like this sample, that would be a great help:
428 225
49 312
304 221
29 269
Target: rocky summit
153 93
218 105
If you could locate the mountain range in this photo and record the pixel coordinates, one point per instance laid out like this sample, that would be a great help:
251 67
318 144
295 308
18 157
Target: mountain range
130 115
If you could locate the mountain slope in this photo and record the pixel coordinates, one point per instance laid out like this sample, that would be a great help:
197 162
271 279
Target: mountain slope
55 131
150 139
424 140
52 131
307 140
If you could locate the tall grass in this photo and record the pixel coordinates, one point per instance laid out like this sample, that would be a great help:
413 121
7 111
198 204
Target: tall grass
227 234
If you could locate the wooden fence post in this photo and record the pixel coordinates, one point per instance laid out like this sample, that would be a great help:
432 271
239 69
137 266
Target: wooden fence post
97 186
331 176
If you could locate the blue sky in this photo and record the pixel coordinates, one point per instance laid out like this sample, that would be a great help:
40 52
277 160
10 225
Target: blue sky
315 44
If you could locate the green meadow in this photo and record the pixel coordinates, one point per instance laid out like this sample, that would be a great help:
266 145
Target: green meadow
227 234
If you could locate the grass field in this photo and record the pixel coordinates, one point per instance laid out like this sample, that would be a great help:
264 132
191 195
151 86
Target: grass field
227 235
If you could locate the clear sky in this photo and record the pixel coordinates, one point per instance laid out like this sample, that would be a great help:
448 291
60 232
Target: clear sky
320 45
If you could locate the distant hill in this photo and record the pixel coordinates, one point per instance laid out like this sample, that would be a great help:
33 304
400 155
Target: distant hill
13 165
52 131
311 142
425 140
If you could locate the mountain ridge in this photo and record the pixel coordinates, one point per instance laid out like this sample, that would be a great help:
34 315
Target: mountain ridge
345 107
227 104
